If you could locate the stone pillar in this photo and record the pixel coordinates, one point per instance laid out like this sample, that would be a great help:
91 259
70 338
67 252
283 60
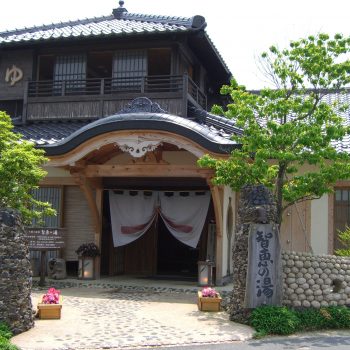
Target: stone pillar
256 206
15 274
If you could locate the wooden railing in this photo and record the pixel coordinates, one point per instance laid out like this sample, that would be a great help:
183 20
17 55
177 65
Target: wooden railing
196 93
109 86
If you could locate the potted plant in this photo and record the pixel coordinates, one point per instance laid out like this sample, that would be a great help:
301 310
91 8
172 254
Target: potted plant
50 305
87 253
209 299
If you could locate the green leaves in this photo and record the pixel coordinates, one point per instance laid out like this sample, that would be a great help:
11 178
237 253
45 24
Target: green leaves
289 132
344 238
283 320
20 172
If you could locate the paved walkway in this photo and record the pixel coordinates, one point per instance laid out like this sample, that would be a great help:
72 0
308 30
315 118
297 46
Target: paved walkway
95 318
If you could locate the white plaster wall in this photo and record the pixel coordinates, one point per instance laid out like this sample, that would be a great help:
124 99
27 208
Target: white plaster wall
56 172
319 225
225 251
180 157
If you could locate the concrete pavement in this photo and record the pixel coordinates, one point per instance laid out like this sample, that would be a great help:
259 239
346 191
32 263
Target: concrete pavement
95 318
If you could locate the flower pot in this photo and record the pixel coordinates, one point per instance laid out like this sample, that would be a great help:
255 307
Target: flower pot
209 303
50 311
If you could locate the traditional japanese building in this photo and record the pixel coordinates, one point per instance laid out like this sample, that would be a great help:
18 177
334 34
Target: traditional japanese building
119 104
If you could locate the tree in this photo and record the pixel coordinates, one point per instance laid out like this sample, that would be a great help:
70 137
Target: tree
344 238
20 173
289 133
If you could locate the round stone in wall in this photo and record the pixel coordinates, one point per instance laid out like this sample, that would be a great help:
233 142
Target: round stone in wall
315 304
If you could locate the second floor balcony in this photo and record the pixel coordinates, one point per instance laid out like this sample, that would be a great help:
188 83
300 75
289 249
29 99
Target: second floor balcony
97 98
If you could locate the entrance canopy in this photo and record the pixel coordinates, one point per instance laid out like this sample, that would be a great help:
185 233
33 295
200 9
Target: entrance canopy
133 212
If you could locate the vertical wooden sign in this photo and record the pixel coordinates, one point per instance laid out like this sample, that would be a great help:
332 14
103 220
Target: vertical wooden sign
264 267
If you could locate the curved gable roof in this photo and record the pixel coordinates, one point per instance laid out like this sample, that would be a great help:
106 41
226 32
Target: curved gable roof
143 121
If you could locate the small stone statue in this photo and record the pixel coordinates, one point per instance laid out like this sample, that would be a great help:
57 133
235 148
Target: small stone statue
57 269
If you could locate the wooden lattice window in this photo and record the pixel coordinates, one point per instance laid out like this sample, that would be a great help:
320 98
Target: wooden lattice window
52 195
128 69
70 69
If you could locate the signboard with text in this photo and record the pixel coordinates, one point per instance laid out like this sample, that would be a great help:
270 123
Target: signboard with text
264 266
45 238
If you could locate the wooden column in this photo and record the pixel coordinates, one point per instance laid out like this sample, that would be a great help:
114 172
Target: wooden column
98 233
88 186
216 193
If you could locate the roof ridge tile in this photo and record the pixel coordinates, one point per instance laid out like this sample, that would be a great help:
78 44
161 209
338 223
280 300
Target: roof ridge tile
177 20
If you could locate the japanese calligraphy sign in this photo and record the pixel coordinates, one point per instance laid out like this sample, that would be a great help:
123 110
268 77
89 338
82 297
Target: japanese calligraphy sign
264 266
45 238
13 75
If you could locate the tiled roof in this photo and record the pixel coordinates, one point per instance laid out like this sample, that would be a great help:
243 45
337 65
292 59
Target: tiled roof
119 24
129 23
217 124
212 127
342 98
68 134
49 132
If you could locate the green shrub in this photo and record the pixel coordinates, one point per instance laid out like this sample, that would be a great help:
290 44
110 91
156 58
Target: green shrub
6 345
259 335
274 320
282 320
5 331
5 335
312 319
337 316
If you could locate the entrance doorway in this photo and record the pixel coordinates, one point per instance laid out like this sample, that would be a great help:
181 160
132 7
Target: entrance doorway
175 259
156 254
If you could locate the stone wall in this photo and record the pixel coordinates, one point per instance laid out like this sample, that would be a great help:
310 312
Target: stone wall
315 280
256 205
15 274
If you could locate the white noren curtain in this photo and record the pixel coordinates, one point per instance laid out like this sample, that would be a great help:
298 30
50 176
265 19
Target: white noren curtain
184 214
133 212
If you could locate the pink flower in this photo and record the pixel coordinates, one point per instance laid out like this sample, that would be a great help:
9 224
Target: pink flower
52 296
208 292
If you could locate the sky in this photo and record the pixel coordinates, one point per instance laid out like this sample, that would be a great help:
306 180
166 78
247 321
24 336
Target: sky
241 30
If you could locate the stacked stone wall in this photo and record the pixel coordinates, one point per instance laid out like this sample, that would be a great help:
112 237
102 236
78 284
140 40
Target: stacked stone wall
15 274
256 205
315 280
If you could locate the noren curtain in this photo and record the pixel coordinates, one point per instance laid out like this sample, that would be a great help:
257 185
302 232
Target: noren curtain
132 213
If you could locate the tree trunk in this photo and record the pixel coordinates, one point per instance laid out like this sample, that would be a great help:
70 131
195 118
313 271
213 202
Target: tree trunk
279 197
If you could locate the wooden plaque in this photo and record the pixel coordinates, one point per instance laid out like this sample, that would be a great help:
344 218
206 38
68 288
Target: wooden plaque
45 238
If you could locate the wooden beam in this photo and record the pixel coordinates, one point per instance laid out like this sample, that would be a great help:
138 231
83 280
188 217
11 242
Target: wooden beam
87 187
146 170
